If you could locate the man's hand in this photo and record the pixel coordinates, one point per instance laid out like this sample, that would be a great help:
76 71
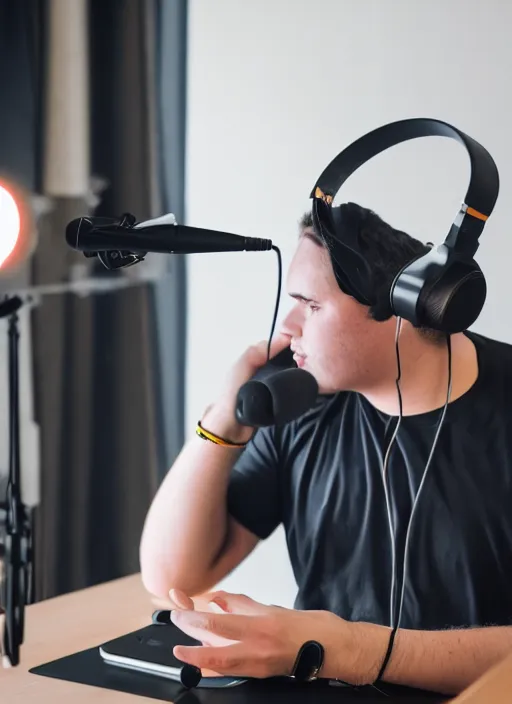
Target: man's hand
250 639
220 416
253 640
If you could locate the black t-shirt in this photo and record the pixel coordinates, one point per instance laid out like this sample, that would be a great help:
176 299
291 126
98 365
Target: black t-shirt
321 477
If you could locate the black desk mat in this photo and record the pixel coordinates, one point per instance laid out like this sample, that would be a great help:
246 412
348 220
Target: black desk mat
87 667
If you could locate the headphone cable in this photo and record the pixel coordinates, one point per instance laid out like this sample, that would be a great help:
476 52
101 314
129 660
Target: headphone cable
422 483
278 297
395 623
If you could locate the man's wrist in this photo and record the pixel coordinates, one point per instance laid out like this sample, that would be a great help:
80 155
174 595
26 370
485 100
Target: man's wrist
371 644
222 422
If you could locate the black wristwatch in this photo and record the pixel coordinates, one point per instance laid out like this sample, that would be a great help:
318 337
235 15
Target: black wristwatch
309 661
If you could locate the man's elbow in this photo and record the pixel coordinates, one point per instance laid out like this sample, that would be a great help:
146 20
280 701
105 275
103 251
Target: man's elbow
154 570
154 578
158 580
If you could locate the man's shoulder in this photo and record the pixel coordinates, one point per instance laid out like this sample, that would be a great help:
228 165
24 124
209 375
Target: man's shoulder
490 345
494 358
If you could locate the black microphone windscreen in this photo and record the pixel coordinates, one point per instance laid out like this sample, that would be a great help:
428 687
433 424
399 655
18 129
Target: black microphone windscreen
254 406
280 398
75 229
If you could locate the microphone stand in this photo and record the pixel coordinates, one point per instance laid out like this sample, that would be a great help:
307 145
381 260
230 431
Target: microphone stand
16 519
18 547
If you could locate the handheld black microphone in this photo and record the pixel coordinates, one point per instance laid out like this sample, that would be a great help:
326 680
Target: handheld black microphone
277 394
164 235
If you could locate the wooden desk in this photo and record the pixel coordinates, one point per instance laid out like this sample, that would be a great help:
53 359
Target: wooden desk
83 619
67 624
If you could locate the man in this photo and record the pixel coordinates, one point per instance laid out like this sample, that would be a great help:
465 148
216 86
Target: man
321 476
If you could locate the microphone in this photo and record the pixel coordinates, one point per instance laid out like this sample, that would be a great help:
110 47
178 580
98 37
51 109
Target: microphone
276 396
92 235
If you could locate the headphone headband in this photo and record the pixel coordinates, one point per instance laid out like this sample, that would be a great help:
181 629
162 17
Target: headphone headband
483 187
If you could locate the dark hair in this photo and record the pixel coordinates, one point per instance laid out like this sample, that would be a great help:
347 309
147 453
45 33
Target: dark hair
385 249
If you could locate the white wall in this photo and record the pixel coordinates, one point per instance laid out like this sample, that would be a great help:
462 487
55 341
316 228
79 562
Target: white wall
276 89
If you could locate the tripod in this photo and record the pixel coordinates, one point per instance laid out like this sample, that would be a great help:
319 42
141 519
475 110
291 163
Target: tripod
18 549
16 519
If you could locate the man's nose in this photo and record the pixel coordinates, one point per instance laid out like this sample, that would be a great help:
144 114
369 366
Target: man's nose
292 324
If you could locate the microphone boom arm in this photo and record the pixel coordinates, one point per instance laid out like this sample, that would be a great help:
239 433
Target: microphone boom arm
123 242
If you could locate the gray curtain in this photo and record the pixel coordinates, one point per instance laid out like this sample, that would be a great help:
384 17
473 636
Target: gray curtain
20 73
108 431
20 113
170 294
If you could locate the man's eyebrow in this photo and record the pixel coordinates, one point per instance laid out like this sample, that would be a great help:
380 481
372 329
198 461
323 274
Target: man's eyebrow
303 299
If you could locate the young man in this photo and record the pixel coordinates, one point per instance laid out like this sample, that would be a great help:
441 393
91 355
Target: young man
321 476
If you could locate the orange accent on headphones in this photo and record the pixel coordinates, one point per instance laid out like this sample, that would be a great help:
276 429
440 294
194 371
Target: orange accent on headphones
475 214
320 194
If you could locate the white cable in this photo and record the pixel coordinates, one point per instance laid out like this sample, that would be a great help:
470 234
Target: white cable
422 483
385 464
420 488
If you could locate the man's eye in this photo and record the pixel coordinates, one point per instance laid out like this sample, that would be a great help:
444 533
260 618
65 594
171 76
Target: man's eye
311 308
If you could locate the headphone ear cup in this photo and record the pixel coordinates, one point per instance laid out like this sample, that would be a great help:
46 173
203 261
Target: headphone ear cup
455 299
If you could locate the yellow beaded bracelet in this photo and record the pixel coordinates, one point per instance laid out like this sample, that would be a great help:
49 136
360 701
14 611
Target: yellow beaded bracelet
207 435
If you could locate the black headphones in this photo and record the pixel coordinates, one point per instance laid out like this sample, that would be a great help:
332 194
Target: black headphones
443 289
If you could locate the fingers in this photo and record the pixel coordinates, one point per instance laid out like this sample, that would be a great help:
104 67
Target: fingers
280 342
229 660
237 603
202 625
257 354
237 660
181 600
226 602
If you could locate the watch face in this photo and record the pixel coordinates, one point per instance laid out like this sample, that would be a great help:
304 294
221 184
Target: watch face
309 661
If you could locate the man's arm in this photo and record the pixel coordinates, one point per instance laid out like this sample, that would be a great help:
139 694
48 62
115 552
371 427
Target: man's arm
446 661
266 640
190 541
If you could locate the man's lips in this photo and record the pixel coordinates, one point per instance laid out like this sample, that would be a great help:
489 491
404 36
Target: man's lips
299 359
